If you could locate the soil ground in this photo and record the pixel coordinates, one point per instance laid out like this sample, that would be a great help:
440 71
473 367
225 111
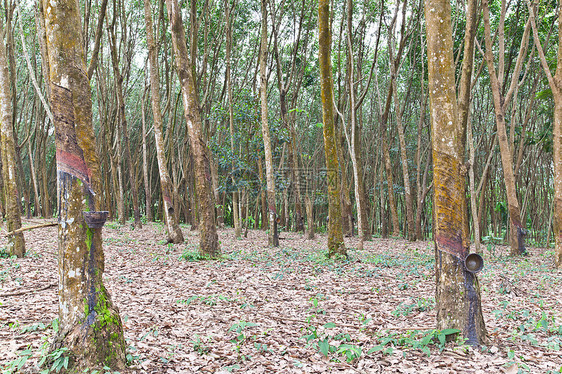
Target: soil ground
287 309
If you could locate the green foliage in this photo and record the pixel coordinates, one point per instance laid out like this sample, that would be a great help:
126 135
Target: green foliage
193 255
419 305
414 339
200 345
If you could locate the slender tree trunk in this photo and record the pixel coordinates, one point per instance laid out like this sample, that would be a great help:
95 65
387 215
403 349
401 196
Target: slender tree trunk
309 217
174 232
16 243
209 242
147 188
90 326
124 138
354 139
409 201
457 290
264 215
555 83
272 237
235 194
336 245
516 230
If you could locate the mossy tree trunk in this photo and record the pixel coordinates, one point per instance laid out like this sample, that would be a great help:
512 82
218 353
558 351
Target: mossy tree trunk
336 245
16 243
555 83
209 242
457 290
174 232
90 326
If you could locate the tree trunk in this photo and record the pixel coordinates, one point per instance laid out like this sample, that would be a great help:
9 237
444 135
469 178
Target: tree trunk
272 237
16 243
555 83
90 326
336 245
209 242
235 194
123 122
354 138
517 230
457 290
174 232
146 180
264 215
309 217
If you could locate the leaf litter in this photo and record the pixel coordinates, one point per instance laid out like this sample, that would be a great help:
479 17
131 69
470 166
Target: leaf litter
287 309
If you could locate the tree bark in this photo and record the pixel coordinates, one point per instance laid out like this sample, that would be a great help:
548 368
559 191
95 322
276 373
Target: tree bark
90 326
124 138
235 194
517 231
555 83
16 243
336 245
146 180
272 237
457 290
174 232
209 242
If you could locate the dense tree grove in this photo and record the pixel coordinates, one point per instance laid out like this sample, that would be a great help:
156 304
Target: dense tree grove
381 114
289 116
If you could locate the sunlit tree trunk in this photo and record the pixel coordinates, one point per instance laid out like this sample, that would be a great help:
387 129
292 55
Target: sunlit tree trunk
272 237
555 83
16 243
457 291
174 232
335 236
209 242
90 326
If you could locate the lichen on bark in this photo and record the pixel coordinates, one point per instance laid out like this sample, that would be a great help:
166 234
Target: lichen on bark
90 326
457 292
336 245
16 243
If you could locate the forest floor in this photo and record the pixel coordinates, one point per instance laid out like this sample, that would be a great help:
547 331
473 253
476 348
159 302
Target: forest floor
287 309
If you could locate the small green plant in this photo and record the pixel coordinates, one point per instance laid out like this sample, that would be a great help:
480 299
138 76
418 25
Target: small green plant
16 365
414 339
239 330
191 254
57 360
4 253
200 345
419 305
351 352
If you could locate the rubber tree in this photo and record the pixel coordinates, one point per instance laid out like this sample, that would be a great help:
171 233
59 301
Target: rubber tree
555 83
175 234
272 237
517 231
16 243
209 242
336 245
90 326
457 290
